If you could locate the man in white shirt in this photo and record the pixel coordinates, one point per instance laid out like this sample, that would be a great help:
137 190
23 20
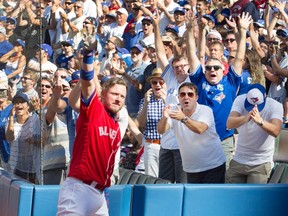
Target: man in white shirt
258 120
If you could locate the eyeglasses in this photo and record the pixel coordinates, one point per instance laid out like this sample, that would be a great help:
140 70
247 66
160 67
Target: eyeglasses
229 40
109 41
68 3
148 24
77 7
40 8
85 23
135 53
25 78
46 86
187 9
212 39
183 94
180 66
154 82
214 67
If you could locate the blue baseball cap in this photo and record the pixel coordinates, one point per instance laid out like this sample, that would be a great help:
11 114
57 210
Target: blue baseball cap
21 95
173 28
147 18
11 19
68 42
209 17
75 77
3 18
138 46
180 9
47 48
20 42
282 32
260 23
256 95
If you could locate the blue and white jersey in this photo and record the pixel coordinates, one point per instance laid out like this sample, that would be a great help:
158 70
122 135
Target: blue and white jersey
218 97
246 80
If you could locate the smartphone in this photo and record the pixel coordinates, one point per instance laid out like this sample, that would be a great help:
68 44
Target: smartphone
174 107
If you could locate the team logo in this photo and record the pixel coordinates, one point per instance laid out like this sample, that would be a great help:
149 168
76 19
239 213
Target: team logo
254 100
219 97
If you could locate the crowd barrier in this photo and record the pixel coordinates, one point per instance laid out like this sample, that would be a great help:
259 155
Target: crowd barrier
21 198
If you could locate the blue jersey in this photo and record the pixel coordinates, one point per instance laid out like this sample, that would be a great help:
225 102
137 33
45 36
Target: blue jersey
4 145
246 80
62 61
218 97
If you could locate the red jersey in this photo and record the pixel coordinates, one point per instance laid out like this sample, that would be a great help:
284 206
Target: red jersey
96 143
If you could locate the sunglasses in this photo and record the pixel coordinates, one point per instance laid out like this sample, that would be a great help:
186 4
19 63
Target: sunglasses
229 40
212 39
148 24
214 67
25 78
109 41
154 82
85 23
77 7
68 3
231 57
10 23
183 94
46 86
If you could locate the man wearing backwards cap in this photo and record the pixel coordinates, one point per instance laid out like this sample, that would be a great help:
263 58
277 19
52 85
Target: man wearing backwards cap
258 120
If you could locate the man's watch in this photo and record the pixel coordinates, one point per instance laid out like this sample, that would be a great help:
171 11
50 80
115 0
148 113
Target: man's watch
185 119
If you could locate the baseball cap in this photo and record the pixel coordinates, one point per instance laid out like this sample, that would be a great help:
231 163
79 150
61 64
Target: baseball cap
180 9
282 32
256 95
122 11
138 46
111 14
75 77
3 18
259 23
215 33
20 42
68 42
281 22
12 20
92 20
147 18
166 38
21 95
209 17
173 28
47 48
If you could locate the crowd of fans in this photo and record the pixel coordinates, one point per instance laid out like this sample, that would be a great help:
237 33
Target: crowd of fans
155 46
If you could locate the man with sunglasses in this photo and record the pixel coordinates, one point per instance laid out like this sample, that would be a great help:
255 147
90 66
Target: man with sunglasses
149 114
216 90
194 127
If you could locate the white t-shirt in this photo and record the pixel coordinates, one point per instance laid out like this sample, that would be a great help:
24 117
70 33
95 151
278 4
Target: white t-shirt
255 146
199 152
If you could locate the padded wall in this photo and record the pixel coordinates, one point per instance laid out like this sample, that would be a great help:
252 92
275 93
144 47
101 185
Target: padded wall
157 200
235 200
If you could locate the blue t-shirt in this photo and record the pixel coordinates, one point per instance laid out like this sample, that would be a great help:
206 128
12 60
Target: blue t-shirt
218 97
62 61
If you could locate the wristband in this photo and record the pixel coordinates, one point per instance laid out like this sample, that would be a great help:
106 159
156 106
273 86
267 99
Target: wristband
87 75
